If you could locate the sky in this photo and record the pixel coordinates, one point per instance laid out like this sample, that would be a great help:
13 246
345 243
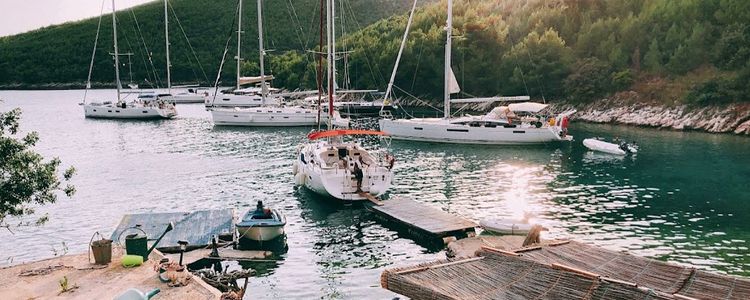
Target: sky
17 16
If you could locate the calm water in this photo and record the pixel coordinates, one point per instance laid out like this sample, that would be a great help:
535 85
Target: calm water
685 197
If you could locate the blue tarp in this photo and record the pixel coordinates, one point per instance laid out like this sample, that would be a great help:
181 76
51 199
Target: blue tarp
197 227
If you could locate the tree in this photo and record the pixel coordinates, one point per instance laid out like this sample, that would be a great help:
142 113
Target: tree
589 80
26 180
653 57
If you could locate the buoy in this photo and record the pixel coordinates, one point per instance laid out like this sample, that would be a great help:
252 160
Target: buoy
295 168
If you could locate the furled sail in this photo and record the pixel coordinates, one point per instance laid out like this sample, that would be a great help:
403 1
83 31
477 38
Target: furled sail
453 86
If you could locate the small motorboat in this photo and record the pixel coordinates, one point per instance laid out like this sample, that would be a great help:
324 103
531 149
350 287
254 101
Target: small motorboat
506 226
611 148
262 224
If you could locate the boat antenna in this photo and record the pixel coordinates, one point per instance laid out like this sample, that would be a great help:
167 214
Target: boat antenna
389 90
117 54
93 53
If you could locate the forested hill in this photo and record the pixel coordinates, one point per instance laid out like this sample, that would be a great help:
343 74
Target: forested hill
688 51
61 54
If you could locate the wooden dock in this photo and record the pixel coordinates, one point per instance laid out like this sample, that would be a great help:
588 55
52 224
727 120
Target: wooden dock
426 224
197 227
41 280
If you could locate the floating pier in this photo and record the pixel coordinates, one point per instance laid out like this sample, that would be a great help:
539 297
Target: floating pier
422 222
197 228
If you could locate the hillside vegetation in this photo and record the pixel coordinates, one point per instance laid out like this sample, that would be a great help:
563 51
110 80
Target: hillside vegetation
690 51
672 52
61 54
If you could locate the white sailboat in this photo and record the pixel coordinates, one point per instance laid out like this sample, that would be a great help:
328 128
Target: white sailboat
137 109
185 94
331 167
267 114
501 126
245 97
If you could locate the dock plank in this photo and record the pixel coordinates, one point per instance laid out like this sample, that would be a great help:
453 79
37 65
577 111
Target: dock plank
421 217
197 227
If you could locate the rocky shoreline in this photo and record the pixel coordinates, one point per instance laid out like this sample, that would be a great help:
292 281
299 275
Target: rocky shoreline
731 118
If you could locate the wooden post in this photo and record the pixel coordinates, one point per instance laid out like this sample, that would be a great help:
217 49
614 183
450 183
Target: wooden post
533 236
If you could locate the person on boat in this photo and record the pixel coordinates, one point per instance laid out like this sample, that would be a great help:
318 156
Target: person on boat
391 161
509 115
362 162
358 175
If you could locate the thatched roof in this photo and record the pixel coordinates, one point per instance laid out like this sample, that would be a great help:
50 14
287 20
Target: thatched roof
496 276
663 276
560 271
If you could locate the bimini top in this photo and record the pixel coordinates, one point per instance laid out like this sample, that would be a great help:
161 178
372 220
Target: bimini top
330 133
532 107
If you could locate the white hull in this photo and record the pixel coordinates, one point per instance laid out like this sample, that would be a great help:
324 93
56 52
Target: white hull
442 131
186 98
326 177
601 146
506 227
232 100
260 233
137 113
266 116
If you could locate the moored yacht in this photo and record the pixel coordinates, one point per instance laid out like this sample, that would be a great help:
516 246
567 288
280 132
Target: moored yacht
130 110
500 126
269 112
343 170
332 167
121 109
189 95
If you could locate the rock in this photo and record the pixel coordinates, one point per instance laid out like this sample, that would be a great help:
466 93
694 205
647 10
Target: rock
733 118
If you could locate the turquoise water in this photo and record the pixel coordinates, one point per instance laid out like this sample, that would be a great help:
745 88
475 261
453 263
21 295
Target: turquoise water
684 197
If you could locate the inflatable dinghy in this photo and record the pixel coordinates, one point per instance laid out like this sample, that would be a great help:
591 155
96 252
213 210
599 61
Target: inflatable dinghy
602 146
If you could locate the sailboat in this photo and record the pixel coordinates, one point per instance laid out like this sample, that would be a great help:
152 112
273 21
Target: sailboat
331 167
138 109
516 123
187 94
269 113
247 97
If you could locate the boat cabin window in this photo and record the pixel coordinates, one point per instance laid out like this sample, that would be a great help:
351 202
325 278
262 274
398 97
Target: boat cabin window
343 152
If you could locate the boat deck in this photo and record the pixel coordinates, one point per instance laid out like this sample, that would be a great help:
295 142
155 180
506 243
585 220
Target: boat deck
421 221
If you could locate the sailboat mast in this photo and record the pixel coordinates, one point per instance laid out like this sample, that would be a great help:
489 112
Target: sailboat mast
239 43
329 19
117 53
389 89
320 63
166 43
448 42
333 44
262 52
